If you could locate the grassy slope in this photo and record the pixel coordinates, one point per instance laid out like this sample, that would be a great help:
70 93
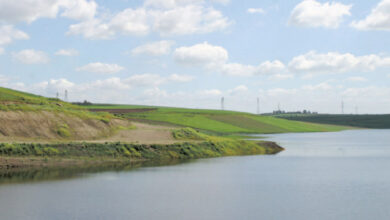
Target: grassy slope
364 121
12 100
220 121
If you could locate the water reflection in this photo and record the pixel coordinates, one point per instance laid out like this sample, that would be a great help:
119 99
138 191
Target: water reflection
8 176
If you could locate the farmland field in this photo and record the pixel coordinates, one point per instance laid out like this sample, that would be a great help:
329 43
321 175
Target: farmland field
363 121
214 120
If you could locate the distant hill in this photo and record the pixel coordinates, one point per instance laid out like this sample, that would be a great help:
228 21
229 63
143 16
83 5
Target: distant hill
223 122
363 121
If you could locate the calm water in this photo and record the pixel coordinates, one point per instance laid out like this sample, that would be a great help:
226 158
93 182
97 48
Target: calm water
341 175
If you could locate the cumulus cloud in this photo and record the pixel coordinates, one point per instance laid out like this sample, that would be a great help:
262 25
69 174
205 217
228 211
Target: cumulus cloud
255 11
215 58
265 68
31 56
67 52
8 34
201 54
180 78
311 13
29 11
238 90
378 19
334 62
177 3
104 68
157 48
169 18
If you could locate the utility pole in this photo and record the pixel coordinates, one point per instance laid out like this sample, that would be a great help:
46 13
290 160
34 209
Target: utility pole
222 103
258 105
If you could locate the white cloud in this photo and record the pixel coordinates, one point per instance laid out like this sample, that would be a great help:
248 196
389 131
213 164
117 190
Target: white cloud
356 79
311 13
104 68
29 11
170 18
180 78
280 76
31 56
131 22
238 90
79 9
334 62
265 68
201 54
176 3
256 11
92 29
8 33
215 58
1 50
210 92
190 19
378 19
157 48
67 52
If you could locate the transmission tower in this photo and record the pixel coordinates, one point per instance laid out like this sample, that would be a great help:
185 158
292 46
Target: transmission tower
342 107
66 95
258 105
57 95
222 103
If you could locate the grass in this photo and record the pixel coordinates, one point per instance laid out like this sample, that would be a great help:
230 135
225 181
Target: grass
12 100
363 121
187 150
217 121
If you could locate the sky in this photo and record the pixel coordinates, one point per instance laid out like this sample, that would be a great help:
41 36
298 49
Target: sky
298 54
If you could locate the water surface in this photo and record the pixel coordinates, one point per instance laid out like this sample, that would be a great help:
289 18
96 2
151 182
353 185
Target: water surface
343 175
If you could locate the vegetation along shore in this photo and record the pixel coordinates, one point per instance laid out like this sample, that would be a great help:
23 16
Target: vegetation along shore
36 131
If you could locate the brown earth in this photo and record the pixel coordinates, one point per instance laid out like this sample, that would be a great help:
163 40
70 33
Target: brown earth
43 127
144 134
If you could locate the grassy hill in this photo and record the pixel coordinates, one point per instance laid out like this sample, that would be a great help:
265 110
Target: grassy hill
28 116
363 121
213 120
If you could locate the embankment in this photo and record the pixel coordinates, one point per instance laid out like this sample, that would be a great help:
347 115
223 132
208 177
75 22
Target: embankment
21 155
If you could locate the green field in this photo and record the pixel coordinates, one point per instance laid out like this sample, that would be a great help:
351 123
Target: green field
217 121
363 121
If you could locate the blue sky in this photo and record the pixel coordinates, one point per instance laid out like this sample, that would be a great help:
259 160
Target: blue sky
189 53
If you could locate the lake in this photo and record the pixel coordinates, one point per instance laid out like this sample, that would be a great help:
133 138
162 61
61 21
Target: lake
343 175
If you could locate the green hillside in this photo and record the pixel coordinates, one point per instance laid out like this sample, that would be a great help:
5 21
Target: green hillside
13 100
214 120
363 121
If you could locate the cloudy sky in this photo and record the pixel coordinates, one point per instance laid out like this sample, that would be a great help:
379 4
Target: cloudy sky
189 53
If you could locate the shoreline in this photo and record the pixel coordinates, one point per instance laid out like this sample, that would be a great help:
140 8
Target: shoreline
35 155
